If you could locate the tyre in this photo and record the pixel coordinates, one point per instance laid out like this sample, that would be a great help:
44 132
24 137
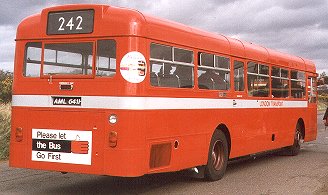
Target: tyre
217 157
294 149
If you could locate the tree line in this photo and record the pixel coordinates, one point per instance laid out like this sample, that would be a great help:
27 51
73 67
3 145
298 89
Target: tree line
6 82
323 79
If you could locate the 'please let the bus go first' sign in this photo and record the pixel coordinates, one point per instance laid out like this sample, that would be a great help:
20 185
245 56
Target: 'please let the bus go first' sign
62 146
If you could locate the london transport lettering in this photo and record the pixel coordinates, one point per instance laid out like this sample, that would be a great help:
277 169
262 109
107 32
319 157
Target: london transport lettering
61 146
272 103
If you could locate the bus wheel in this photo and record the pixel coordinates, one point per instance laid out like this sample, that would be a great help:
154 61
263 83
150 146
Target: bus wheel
294 149
217 157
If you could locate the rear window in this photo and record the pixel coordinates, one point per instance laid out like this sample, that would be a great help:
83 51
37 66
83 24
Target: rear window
32 62
68 58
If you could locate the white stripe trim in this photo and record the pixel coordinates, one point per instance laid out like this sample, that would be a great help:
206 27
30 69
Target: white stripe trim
154 103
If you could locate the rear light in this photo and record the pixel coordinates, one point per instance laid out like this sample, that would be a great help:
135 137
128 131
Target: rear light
19 134
112 139
112 119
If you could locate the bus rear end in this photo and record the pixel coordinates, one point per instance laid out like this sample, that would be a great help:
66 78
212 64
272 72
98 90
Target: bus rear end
66 94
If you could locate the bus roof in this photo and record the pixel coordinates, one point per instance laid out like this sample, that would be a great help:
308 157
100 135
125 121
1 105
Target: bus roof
128 22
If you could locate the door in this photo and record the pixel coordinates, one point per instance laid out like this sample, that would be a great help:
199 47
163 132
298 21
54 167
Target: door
312 106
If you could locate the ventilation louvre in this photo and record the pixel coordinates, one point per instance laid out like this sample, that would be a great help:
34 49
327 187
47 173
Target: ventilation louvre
160 155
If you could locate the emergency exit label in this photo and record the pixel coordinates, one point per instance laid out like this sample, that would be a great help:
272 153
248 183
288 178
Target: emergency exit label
62 146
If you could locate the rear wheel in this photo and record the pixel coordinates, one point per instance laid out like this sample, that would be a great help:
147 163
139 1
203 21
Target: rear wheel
294 149
217 157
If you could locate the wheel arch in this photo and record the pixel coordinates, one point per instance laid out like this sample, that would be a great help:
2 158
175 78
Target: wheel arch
222 127
300 121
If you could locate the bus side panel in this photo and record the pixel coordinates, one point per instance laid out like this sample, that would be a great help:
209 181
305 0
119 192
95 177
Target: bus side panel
17 157
128 157
184 132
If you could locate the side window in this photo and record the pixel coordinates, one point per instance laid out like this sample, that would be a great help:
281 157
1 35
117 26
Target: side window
106 58
213 72
32 61
171 67
279 82
297 84
257 79
312 89
239 75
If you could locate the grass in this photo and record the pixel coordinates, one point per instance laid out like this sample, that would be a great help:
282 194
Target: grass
5 116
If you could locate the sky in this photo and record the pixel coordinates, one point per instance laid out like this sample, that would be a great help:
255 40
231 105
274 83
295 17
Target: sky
297 27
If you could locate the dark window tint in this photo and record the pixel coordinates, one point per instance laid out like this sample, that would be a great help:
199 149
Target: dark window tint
297 84
222 62
252 67
279 82
213 79
258 86
171 67
161 52
239 75
106 58
171 75
207 59
258 79
182 55
284 73
280 88
263 69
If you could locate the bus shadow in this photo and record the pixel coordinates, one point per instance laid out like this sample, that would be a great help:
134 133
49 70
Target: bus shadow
156 182
118 185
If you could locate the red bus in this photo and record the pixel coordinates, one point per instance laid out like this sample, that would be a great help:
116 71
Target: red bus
112 91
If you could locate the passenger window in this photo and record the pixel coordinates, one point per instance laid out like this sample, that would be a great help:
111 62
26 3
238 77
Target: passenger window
32 62
239 75
222 62
206 59
213 72
258 79
279 82
312 90
161 52
106 58
182 55
297 84
166 72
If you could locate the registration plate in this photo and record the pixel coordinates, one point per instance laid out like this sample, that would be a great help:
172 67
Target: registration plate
66 101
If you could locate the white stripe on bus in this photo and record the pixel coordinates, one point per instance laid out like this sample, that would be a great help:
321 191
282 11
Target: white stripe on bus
154 103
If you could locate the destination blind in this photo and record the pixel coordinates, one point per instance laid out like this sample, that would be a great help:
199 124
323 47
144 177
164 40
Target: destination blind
70 22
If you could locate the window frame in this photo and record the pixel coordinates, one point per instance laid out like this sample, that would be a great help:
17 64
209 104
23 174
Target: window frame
214 67
96 58
23 72
173 62
92 75
280 77
258 64
304 81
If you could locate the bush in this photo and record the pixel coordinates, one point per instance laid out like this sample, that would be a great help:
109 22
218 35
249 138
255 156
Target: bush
6 82
5 117
323 98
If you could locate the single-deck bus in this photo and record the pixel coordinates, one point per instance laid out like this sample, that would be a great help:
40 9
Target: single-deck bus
112 91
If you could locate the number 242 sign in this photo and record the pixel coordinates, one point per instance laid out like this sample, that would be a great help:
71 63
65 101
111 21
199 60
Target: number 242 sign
70 22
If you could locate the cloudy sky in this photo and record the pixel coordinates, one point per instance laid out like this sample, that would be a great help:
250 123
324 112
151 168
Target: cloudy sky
298 27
